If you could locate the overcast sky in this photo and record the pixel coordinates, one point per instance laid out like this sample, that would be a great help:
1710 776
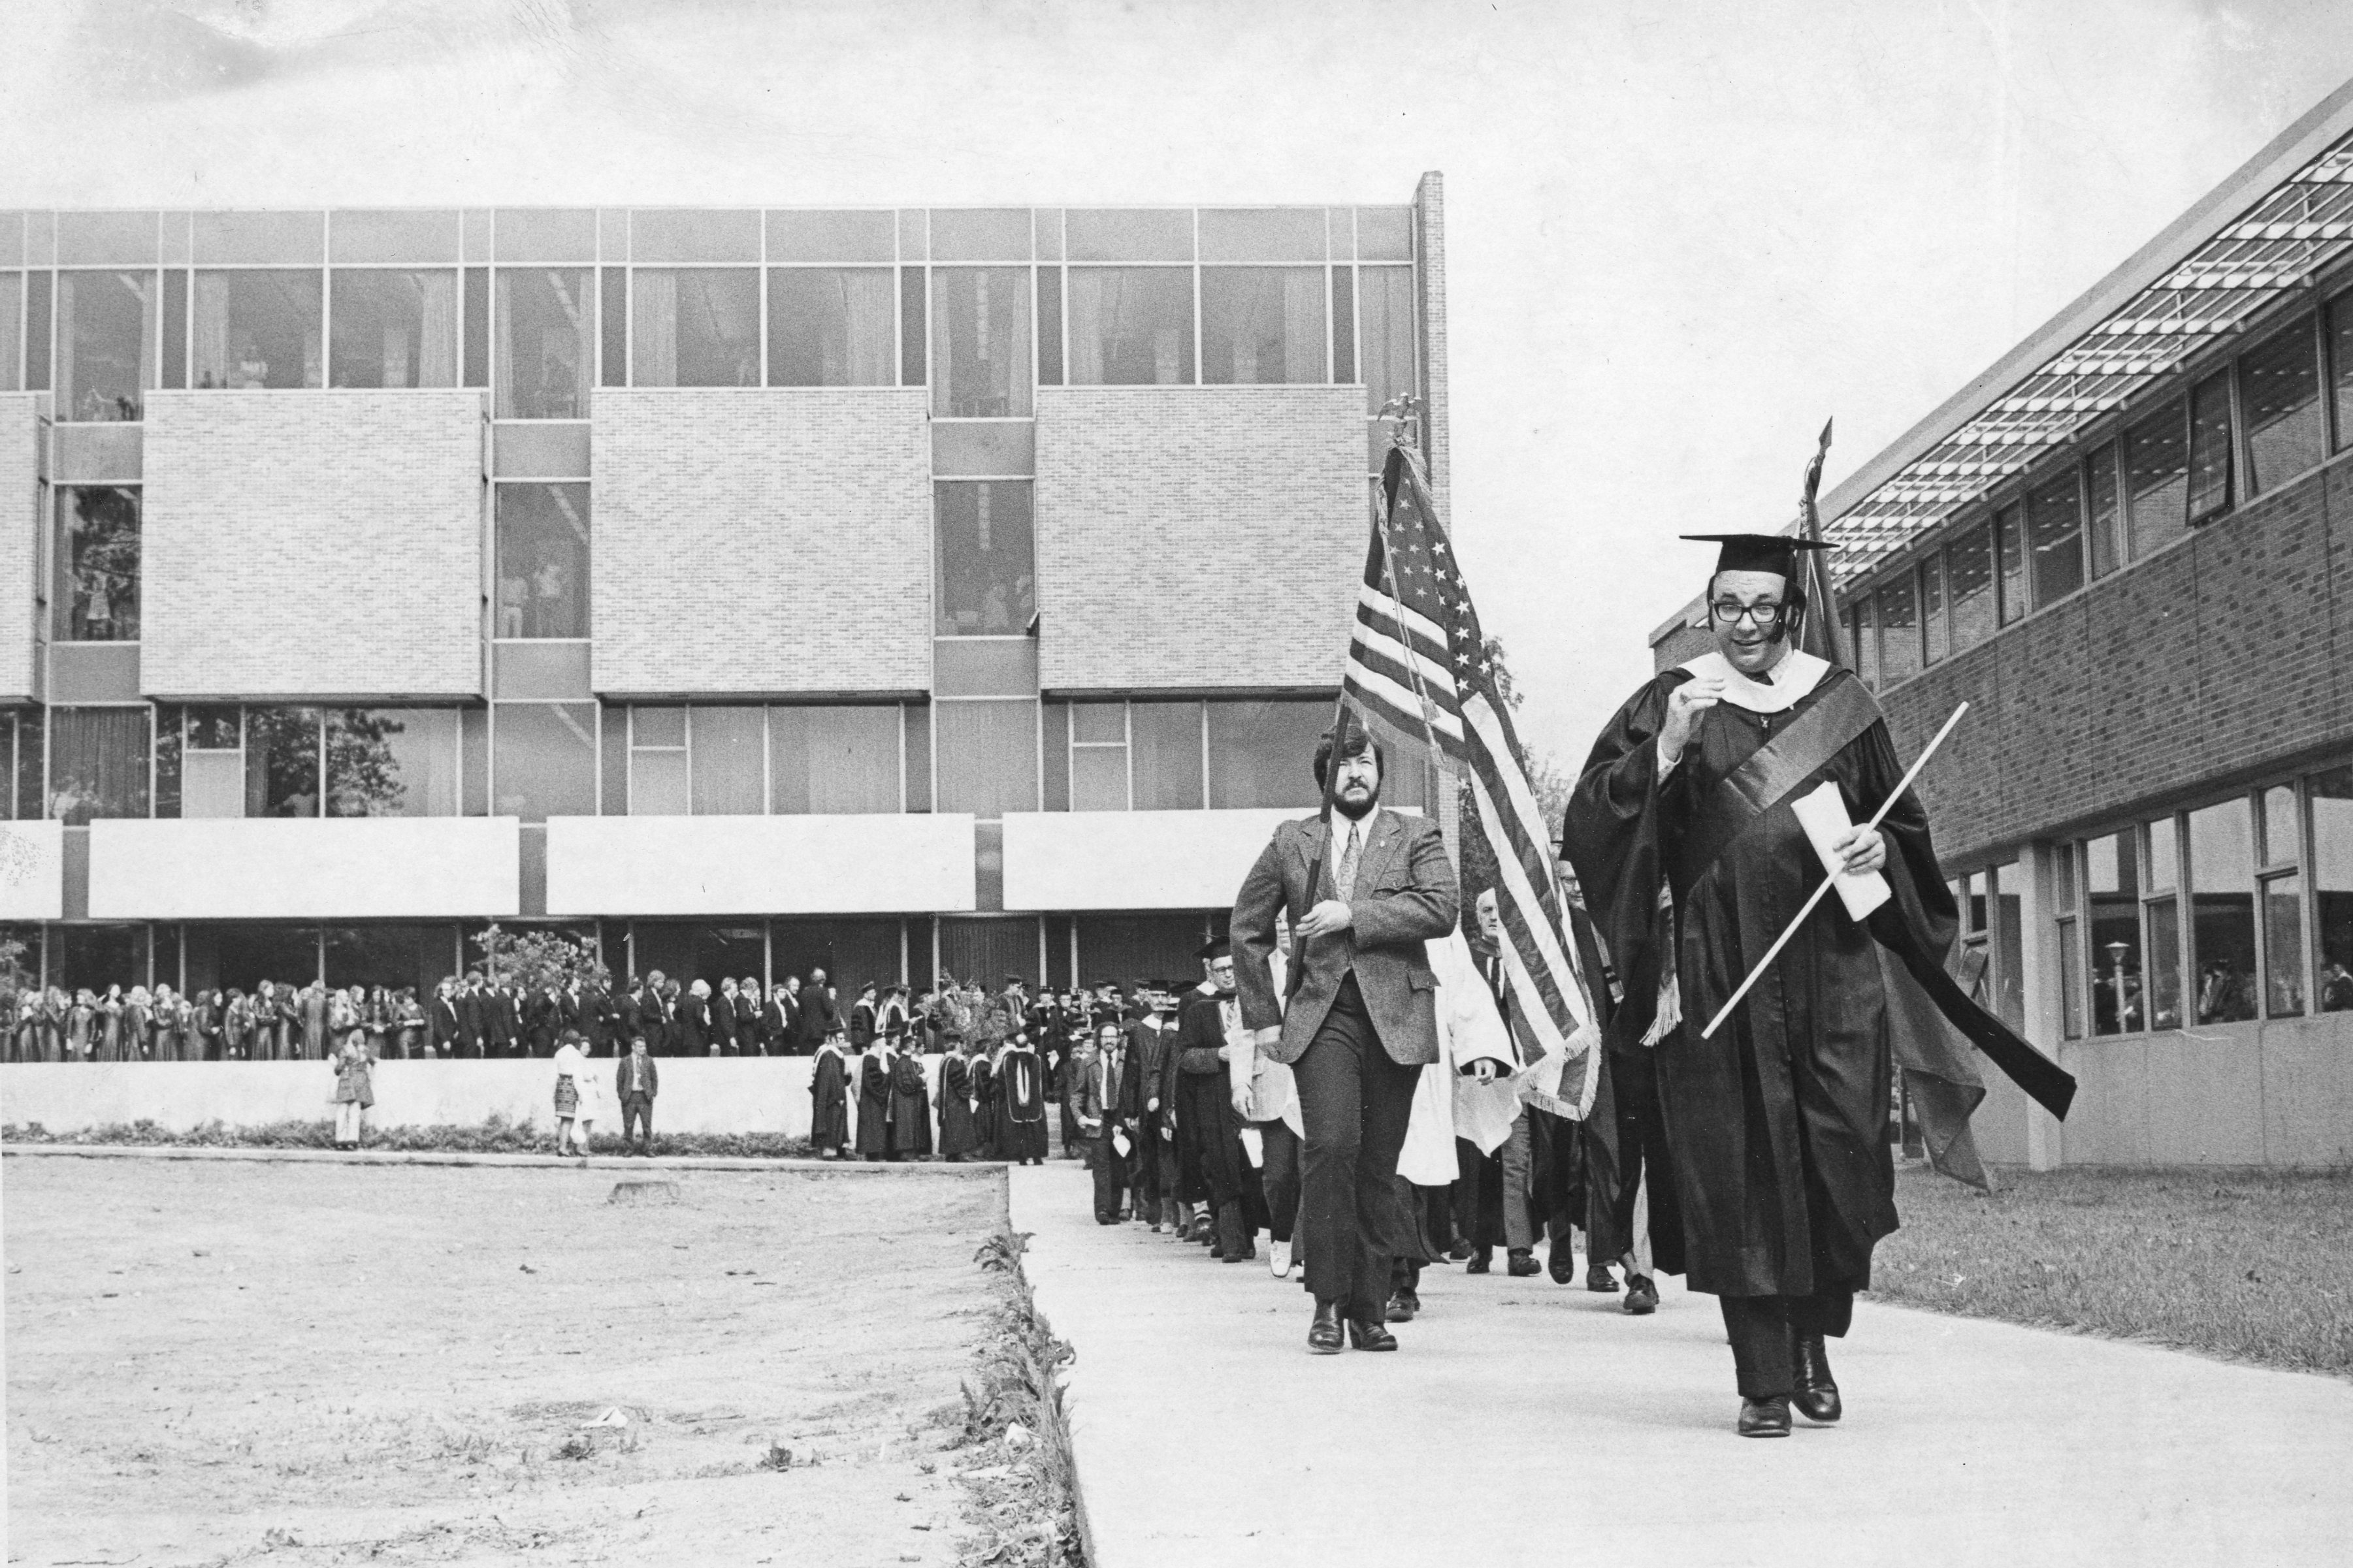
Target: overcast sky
1679 236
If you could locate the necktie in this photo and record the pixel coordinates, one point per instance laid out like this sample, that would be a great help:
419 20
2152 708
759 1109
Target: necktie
1344 885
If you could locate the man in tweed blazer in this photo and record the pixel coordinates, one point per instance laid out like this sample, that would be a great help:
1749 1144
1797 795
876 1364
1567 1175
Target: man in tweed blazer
1359 1025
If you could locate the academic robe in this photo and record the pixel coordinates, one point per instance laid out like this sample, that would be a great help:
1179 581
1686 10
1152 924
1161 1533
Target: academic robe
1210 1159
874 1103
911 1106
694 1024
983 1109
1020 1105
959 1134
828 1102
1775 1126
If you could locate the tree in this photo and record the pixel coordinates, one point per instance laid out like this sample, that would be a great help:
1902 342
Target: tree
539 959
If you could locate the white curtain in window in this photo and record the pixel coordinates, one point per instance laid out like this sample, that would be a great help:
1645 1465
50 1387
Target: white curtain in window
502 360
212 366
1303 325
1093 297
436 354
653 320
869 310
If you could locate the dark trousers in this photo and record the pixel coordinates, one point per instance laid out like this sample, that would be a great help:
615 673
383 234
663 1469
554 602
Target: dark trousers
637 1111
1355 1102
1760 1328
1642 1136
1144 1163
1279 1178
1110 1168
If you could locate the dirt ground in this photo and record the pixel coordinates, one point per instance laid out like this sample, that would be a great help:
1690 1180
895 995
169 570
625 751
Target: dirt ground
326 1363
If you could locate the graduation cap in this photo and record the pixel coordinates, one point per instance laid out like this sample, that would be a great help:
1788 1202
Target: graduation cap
1775 552
1216 947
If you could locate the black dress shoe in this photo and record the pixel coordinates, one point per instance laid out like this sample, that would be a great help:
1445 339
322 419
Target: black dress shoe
1370 1336
1520 1264
1598 1279
1561 1265
1764 1417
1458 1252
1482 1261
1324 1333
1642 1296
1817 1398
1403 1306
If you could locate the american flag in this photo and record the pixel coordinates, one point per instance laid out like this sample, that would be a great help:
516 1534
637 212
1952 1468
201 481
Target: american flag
1419 666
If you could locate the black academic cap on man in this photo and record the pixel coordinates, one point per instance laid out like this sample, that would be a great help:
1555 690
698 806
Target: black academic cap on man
1775 552
1216 947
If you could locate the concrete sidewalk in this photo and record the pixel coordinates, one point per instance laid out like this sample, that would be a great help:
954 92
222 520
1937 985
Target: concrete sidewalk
256 1154
1527 1422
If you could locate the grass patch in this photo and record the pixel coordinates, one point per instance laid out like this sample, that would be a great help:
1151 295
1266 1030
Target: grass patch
2251 1266
1021 1493
496 1135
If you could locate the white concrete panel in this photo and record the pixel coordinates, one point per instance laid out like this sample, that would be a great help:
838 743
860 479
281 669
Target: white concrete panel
760 865
762 1094
32 870
1133 859
347 867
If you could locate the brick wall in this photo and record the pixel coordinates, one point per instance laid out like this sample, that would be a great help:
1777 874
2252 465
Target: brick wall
1198 537
20 532
312 544
2227 655
762 540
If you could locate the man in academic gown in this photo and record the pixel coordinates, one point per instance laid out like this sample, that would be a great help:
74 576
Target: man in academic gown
1209 1154
911 1095
874 1101
1775 1127
829 1102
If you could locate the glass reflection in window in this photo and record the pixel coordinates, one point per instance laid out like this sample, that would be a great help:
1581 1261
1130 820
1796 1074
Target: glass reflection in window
987 559
2279 383
1131 326
106 343
1263 325
257 330
2222 933
1262 753
542 590
832 326
2156 481
695 326
547 342
2113 887
2330 796
392 762
544 760
97 762
980 342
96 595
281 762
394 328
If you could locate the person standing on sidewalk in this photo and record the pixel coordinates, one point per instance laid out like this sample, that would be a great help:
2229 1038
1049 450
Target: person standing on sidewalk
354 1092
1363 892
635 1084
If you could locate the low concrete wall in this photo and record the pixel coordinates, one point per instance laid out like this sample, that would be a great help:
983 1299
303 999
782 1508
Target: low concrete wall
766 1094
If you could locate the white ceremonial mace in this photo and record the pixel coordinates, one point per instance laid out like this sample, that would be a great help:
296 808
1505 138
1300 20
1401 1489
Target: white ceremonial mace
1783 940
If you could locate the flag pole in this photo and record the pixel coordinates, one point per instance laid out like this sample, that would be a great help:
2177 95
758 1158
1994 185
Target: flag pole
1791 929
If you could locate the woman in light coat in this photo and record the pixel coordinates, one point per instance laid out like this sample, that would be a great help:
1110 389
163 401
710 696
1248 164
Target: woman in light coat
571 1074
354 1091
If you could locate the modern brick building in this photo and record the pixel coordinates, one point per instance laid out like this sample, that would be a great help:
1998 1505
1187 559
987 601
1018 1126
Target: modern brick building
2128 546
895 590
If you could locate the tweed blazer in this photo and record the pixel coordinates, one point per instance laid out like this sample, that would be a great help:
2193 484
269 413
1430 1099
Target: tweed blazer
1405 895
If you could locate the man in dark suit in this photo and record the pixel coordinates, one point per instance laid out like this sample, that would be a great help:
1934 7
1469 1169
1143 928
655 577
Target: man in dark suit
819 1021
472 1015
1106 1110
777 1017
443 1018
1362 1019
634 1083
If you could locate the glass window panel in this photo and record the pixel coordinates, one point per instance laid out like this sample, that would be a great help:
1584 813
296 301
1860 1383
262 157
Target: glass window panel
97 763
1131 326
2222 877
240 955
2071 979
2340 366
106 343
2009 561
170 726
1973 902
2283 947
476 327
835 761
1862 629
175 328
2164 864
613 326
12 332
543 560
658 784
1899 630
980 342
1049 326
1933 618
2164 965
96 596
1384 232
988 560
260 238
2101 518
37 329
394 328
658 727
1262 233
474 759
1099 778
94 957
2280 844
2114 890
212 784
216 729
1262 753
31 770
547 342
1385 333
730 761
2330 796
2156 480
392 762
544 760
681 234
404 957
1343 324
832 326
695 326
912 361
2054 537
2279 386
1133 234
987 756
1166 743
1098 723
281 762
1969 568
2008 945
257 330
546 234
832 236
980 234
1263 325
2209 447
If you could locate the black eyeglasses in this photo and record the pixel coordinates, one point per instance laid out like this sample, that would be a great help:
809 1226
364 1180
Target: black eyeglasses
1764 617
